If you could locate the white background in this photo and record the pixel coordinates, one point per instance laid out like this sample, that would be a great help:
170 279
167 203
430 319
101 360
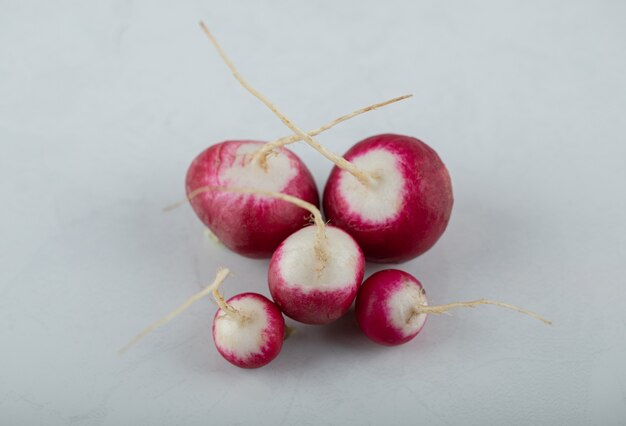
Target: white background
104 104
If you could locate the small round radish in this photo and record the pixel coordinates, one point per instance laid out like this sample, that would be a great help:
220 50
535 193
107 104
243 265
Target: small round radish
248 329
403 207
311 290
246 224
391 307
386 307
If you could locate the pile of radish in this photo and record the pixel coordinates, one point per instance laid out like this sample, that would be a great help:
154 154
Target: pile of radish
387 200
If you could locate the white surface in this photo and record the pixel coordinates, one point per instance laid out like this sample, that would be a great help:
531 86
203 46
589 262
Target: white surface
104 104
401 306
255 177
299 264
243 340
382 202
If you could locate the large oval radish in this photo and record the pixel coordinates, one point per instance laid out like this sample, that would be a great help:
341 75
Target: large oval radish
404 207
247 224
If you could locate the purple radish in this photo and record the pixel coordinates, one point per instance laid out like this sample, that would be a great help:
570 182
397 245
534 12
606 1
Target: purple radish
403 207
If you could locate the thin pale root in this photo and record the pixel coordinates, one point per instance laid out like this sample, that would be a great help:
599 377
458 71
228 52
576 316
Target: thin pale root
443 309
270 147
210 235
341 162
288 332
222 273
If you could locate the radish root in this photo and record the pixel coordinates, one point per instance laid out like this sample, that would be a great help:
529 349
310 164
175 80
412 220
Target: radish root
266 150
225 306
320 236
288 332
222 273
362 176
442 309
210 235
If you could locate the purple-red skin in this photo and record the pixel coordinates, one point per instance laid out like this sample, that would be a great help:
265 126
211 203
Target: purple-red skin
372 312
427 202
312 307
273 335
250 225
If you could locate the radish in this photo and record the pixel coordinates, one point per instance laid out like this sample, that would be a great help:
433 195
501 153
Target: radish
315 273
316 284
401 208
248 329
385 307
246 225
391 307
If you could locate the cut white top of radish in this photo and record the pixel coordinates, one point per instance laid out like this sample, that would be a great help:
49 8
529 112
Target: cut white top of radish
298 263
246 173
401 306
243 339
381 201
